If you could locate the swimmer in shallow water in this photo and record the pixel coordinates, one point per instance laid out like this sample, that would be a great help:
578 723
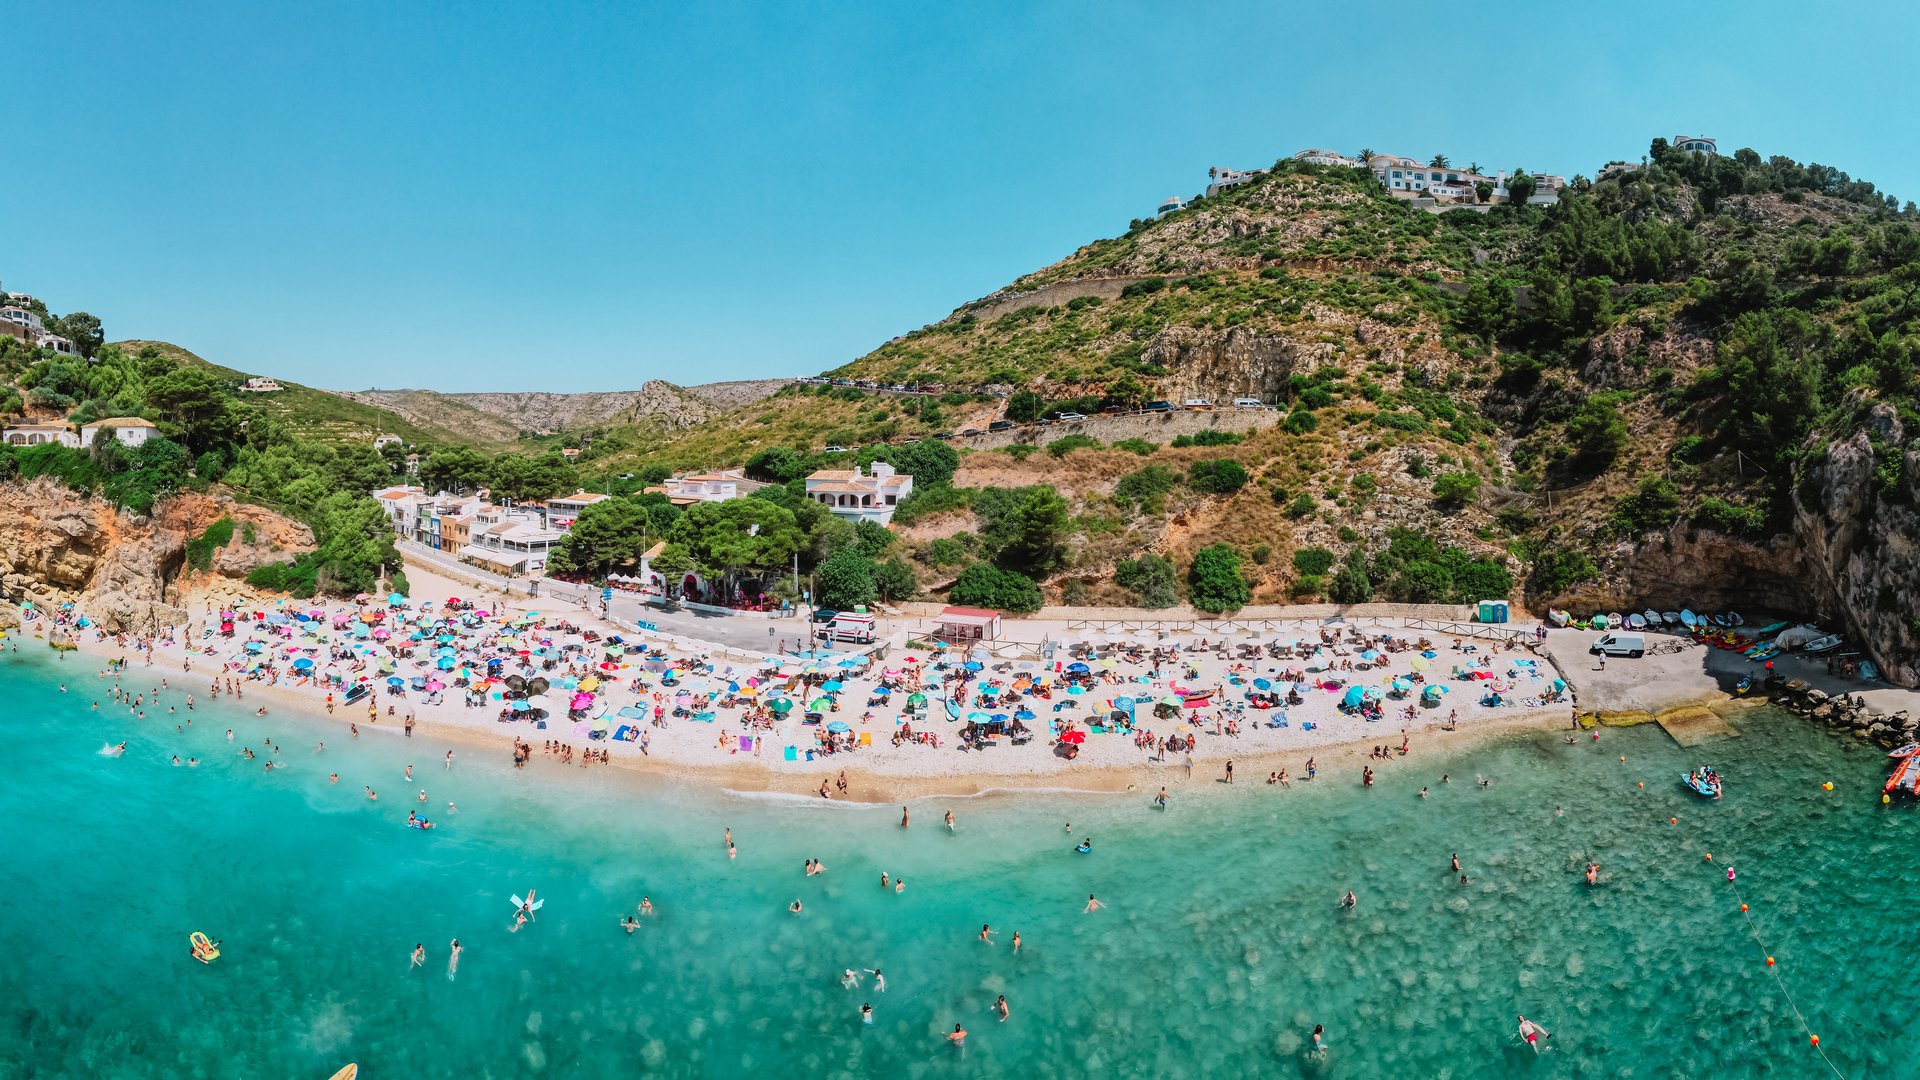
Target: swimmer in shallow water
866 1013
1092 905
794 907
419 955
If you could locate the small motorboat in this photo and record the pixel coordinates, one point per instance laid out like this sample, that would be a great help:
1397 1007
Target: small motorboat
1719 619
1823 645
1598 622
1636 621
1558 617
1653 618
1908 750
1688 617
1616 620
1745 684
1734 619
1671 618
1703 782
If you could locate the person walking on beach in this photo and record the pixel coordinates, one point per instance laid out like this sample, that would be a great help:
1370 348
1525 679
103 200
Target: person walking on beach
1229 770
949 821
1312 771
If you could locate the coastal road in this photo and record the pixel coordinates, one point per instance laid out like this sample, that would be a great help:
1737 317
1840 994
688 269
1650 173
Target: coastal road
749 633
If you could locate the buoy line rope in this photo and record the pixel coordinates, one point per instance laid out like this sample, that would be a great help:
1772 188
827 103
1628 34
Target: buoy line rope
1780 980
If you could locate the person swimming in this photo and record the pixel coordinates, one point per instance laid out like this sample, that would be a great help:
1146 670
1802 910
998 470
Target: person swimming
1532 1033
1092 905
850 980
794 907
1350 900
1000 1007
1593 873
879 980
866 1012
453 958
419 956
1085 846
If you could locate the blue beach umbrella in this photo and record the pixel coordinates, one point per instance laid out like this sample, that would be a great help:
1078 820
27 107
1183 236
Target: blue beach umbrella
979 718
1078 666
396 680
1353 697
1026 714
1262 684
302 664
838 726
832 686
972 665
1076 688
1370 654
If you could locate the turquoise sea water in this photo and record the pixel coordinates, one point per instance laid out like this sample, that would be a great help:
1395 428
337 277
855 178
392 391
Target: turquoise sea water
1220 948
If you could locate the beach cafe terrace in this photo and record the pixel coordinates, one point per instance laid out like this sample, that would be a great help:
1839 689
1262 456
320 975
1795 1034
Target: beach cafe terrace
959 624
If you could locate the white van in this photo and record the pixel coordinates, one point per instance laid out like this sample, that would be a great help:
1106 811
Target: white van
1248 403
1201 404
1620 645
849 626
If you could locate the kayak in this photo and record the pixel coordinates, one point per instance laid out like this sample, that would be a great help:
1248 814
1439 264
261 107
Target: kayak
204 950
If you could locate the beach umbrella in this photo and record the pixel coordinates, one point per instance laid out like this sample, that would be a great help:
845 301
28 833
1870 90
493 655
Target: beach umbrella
1024 714
303 664
1353 697
580 701
1421 663
916 699
973 665
435 685
1076 688
850 662
381 634
820 705
1262 684
1170 700
396 681
1371 693
396 599
782 705
979 718
1370 654
832 686
1123 703
1402 684
1076 666
520 706
838 726
255 646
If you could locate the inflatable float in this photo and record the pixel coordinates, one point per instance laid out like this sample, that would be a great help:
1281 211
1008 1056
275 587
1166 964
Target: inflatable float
203 950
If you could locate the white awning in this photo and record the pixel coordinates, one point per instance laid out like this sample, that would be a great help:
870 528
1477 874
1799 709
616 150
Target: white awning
504 559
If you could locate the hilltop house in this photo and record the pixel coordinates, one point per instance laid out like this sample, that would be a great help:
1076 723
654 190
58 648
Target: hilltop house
707 487
130 430
260 384
1221 179
1318 156
1174 202
858 496
1697 144
381 442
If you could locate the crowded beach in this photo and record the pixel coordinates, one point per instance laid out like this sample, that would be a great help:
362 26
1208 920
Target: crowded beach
921 715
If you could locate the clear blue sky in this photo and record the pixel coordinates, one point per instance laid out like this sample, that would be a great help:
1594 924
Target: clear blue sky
507 195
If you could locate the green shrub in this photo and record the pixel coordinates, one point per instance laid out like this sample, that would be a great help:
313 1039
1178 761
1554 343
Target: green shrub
1137 446
1260 554
1144 485
988 586
1731 518
1065 445
1654 504
1453 490
216 536
1217 476
1300 422
1556 570
1313 561
1214 581
1301 506
1209 437
1150 579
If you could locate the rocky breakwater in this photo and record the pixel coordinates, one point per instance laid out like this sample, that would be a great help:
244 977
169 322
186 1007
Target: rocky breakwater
1857 520
1845 712
127 571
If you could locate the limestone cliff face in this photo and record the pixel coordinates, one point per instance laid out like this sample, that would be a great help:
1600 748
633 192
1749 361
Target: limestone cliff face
1223 364
126 570
1857 522
1683 567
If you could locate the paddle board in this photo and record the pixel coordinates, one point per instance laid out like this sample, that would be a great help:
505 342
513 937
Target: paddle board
347 1072
535 906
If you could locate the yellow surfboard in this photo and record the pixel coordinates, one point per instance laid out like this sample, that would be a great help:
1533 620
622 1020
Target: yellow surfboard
347 1072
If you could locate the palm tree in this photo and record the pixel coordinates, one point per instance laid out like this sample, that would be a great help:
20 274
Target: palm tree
1366 156
1440 161
1474 168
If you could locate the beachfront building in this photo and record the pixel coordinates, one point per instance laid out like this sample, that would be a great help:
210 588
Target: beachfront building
564 511
1318 156
401 503
130 430
511 541
707 487
41 433
858 496
963 624
1219 179
1697 144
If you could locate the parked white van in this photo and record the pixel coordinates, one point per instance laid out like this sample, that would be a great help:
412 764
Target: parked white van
1248 403
1620 645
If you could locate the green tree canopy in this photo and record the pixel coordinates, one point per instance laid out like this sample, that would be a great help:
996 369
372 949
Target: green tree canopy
1214 581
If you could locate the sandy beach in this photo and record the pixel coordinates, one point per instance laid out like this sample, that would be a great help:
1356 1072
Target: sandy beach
692 751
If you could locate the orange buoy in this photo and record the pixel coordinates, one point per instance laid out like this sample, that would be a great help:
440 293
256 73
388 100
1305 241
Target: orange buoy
1769 961
1815 1038
1709 856
1673 821
1828 786
1743 907
1641 784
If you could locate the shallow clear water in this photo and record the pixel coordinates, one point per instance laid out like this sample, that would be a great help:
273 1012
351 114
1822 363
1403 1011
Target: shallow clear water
1220 948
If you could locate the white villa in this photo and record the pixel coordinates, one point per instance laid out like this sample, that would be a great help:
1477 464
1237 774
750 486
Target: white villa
1696 144
381 442
31 328
513 541
1318 156
858 496
1220 179
707 487
1174 202
260 384
40 433
130 430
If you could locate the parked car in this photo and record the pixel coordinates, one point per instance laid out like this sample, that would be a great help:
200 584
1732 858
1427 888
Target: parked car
1000 425
968 433
1071 417
1196 403
836 449
1113 410
943 434
1248 403
1158 406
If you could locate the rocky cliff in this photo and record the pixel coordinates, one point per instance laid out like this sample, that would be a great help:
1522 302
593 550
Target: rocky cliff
1857 525
128 572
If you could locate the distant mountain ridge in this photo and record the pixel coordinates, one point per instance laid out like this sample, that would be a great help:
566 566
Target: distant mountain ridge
503 415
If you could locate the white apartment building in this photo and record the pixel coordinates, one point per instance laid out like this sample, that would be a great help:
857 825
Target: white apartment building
563 512
1318 156
859 496
1220 179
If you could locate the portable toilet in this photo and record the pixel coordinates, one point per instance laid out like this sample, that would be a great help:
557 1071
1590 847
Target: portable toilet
1486 611
1493 611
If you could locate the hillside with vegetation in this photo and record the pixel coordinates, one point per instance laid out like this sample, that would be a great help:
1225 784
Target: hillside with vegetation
1655 391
